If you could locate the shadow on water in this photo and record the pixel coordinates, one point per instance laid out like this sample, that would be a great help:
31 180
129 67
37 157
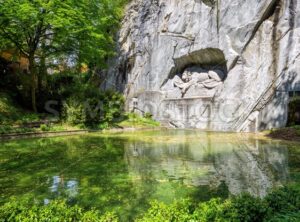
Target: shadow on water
123 172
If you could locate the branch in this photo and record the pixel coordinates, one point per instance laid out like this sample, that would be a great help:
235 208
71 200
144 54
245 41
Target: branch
6 35
47 35
29 37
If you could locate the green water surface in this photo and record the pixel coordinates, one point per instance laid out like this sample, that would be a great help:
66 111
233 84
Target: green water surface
123 172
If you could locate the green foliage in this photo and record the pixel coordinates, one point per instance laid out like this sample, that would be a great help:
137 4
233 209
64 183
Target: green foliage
55 34
286 199
209 211
5 129
280 205
45 127
286 217
74 112
54 211
245 208
93 107
240 208
83 28
11 113
177 212
135 120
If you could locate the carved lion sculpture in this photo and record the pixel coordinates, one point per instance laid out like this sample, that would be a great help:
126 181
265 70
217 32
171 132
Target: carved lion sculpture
197 76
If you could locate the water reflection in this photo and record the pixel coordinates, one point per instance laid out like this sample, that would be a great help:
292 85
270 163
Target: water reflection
123 172
243 165
60 187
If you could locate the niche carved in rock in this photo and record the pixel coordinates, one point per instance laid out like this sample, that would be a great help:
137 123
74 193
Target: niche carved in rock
201 78
199 74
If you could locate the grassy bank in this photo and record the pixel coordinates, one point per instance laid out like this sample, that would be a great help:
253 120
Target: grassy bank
12 114
133 121
14 119
280 205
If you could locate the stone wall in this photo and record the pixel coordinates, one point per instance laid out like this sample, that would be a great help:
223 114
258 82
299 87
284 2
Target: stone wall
210 64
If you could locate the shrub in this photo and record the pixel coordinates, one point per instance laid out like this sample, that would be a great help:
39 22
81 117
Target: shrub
245 208
44 127
95 108
177 212
283 200
209 211
280 205
73 112
54 211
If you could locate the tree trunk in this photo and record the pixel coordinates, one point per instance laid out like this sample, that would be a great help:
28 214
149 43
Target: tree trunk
32 70
42 71
42 74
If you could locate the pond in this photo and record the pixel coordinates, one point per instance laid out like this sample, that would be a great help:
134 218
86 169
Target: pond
122 172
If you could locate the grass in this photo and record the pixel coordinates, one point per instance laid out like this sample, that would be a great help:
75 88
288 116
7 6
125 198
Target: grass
13 119
6 129
132 121
136 121
11 114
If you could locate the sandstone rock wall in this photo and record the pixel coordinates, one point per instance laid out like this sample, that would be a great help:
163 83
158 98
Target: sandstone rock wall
254 44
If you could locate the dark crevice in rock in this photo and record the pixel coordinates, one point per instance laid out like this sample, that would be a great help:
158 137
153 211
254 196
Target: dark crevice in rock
210 3
124 68
266 15
234 62
275 43
292 18
218 18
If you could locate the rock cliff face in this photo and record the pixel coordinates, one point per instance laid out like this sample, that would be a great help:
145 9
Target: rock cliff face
228 65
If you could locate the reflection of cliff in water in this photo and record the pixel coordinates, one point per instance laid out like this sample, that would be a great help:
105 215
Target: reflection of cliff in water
245 166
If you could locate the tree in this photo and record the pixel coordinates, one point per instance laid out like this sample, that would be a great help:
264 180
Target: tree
39 29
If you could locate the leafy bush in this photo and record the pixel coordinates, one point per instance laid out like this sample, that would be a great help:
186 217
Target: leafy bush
78 99
54 211
178 212
280 205
95 108
45 127
286 199
73 112
245 208
209 211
